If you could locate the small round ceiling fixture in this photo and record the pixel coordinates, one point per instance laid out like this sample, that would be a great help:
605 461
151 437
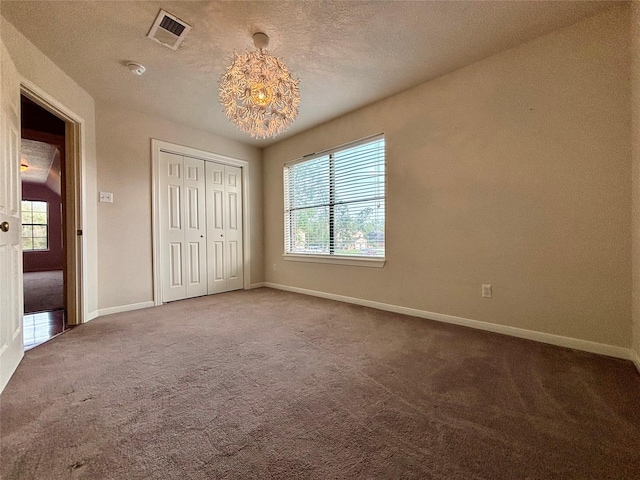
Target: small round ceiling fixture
136 68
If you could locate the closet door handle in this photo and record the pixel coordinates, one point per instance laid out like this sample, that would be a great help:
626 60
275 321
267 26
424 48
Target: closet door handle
4 226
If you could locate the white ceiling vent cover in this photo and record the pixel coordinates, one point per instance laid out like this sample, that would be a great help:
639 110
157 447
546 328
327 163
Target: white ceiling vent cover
169 30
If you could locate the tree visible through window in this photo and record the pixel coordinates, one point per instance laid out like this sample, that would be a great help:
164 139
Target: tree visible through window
35 220
335 202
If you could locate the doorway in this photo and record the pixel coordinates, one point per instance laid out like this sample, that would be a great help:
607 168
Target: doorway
42 172
11 271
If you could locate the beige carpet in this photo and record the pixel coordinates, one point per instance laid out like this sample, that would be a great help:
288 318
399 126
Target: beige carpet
43 291
266 384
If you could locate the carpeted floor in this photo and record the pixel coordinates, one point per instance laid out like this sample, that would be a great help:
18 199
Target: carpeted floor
268 384
43 291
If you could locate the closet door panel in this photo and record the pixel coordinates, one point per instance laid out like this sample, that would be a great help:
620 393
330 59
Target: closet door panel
234 259
216 241
195 231
171 226
224 227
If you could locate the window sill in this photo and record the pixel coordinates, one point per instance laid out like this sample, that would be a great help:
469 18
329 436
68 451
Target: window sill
336 260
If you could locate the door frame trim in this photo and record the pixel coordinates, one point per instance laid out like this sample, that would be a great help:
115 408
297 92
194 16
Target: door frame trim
75 198
158 146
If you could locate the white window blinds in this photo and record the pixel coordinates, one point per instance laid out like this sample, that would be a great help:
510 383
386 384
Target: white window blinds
335 201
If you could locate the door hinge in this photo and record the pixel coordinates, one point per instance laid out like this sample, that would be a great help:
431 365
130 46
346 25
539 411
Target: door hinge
79 233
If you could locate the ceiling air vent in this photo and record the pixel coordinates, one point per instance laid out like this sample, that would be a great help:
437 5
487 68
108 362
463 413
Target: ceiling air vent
169 30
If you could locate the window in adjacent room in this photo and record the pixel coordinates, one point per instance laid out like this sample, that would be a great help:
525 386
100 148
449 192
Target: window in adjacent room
335 202
35 219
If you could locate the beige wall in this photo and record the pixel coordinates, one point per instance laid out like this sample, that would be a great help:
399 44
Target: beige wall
124 227
635 85
513 171
37 69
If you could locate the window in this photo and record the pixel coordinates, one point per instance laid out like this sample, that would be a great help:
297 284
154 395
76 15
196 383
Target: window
335 202
35 221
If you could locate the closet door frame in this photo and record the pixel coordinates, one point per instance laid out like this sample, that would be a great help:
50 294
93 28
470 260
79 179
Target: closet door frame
158 146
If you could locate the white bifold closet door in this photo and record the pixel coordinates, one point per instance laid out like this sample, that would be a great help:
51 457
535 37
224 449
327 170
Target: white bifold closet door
224 227
200 209
183 227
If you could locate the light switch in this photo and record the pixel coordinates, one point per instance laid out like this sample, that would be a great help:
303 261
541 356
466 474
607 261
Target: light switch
106 197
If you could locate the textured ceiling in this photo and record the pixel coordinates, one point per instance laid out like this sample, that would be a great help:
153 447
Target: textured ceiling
39 157
347 54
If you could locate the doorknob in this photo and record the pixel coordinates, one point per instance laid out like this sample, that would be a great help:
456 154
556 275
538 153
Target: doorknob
4 226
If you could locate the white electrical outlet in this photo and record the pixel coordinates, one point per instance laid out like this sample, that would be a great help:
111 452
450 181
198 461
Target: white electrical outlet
106 197
486 291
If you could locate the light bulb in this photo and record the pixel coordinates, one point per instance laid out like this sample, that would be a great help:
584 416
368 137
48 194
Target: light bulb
261 94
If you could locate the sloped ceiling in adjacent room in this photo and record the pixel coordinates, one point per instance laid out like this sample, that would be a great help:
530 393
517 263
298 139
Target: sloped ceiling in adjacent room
39 158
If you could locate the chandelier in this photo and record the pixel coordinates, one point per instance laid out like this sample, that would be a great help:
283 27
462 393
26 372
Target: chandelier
258 93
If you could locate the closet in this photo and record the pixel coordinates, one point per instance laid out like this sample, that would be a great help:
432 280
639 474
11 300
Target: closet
200 213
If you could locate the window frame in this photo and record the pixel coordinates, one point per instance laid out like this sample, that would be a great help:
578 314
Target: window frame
332 258
46 225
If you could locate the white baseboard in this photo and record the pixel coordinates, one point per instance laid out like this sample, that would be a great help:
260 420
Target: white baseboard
256 285
584 345
635 358
125 308
90 316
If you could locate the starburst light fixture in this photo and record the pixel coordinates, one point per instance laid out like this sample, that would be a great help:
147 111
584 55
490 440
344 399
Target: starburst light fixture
258 93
